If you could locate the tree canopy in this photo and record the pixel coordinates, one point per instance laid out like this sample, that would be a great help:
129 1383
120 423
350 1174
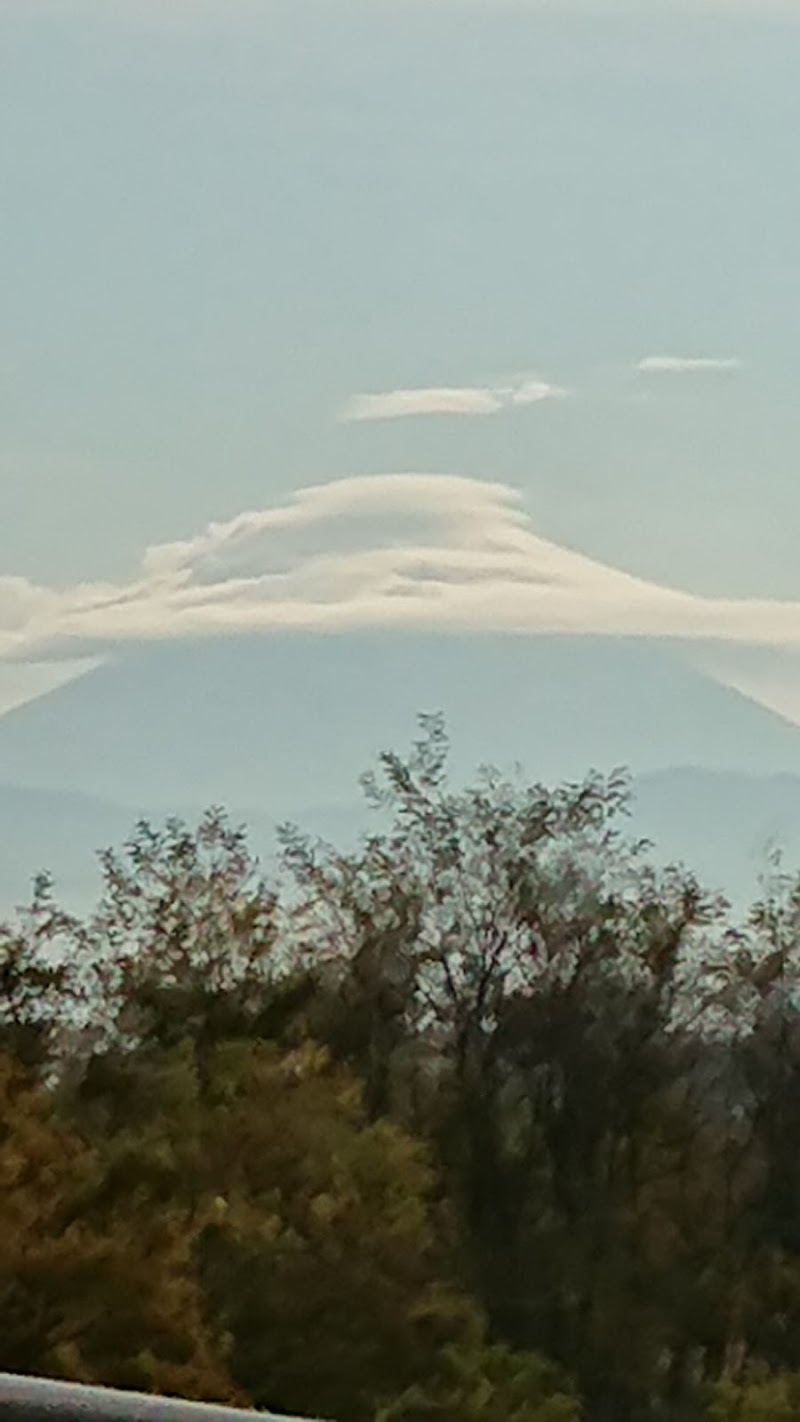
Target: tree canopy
488 1118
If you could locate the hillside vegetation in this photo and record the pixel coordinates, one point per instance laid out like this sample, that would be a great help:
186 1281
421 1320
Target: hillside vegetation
488 1119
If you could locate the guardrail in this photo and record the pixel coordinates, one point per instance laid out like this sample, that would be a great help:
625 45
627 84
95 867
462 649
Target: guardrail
25 1399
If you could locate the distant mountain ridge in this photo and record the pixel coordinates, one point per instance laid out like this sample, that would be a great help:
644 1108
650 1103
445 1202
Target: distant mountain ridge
284 720
719 823
267 726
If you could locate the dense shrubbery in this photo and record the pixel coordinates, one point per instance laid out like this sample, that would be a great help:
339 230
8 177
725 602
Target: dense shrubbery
490 1119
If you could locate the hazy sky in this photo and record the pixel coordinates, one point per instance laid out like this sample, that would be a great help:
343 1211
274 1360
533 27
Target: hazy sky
251 249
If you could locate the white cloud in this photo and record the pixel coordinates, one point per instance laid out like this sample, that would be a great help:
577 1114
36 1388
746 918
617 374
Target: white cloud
409 550
686 365
449 400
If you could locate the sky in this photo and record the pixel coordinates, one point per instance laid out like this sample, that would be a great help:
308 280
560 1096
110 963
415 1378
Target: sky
460 314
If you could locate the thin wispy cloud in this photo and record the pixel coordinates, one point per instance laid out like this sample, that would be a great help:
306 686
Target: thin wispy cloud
686 365
449 400
393 551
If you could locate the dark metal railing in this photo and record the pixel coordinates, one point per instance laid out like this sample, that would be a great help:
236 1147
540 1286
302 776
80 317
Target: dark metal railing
39 1400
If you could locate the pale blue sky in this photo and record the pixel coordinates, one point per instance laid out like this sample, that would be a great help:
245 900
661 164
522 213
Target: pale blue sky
222 222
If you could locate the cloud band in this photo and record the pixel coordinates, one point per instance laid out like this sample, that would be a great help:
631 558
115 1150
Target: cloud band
407 550
448 400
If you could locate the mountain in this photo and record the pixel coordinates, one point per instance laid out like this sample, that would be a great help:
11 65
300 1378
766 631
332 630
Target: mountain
59 831
281 727
718 823
721 824
276 722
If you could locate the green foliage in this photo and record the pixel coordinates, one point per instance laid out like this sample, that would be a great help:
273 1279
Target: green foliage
487 1119
760 1398
39 981
89 1289
183 937
320 1238
477 1382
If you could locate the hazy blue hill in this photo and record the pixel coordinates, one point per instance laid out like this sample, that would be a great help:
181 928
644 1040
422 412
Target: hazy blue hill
282 727
718 822
59 831
283 721
721 823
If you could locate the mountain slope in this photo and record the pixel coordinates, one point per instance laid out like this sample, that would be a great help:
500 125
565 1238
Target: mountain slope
719 823
58 831
722 824
281 727
284 721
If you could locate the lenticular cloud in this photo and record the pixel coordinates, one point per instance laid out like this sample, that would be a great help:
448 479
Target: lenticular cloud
449 400
406 550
